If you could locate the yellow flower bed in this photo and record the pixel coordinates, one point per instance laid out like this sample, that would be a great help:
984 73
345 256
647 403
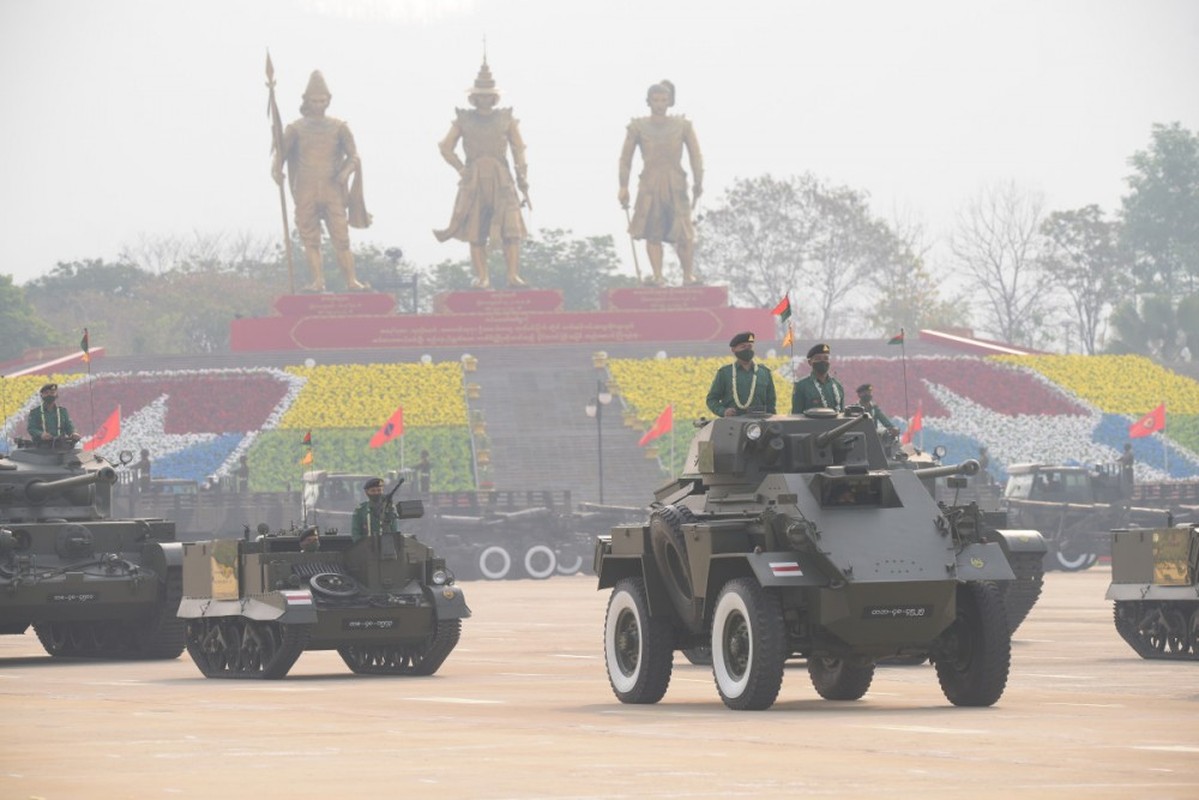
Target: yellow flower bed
1116 384
365 395
649 385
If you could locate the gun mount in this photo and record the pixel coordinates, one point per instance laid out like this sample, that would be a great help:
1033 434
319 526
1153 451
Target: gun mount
39 491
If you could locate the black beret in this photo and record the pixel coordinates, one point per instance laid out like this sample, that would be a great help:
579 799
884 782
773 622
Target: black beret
865 387
372 483
309 531
818 349
49 387
741 338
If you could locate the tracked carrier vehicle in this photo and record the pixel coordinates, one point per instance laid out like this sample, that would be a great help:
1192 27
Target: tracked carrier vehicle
90 585
1155 586
386 603
789 537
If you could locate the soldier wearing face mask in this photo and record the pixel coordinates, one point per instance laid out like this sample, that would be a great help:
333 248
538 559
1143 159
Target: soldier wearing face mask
742 386
820 389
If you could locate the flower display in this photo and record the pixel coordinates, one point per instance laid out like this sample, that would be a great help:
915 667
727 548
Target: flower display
1116 384
365 395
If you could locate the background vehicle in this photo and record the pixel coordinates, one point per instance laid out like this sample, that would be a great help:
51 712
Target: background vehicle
790 537
89 584
1155 586
386 603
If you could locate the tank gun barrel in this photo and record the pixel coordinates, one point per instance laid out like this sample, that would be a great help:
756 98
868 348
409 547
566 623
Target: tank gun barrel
833 434
40 490
967 467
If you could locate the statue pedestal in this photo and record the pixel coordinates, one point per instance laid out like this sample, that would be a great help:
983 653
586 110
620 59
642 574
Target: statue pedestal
481 318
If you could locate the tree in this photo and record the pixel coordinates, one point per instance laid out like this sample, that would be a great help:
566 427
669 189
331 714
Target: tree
996 243
1085 262
770 236
1157 326
1160 215
20 326
907 295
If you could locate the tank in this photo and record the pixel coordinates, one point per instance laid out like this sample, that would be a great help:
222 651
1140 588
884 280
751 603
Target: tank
1155 586
790 538
90 585
386 603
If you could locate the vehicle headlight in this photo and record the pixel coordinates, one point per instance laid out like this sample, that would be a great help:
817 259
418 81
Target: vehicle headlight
753 431
440 577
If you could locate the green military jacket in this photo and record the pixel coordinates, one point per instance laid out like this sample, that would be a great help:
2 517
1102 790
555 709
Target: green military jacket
810 393
881 420
373 519
754 390
56 422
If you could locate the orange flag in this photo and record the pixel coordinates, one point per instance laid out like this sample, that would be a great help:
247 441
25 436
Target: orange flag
917 424
788 337
307 459
664 424
391 429
110 430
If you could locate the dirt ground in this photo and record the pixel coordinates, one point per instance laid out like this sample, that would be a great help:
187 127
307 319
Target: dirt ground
522 709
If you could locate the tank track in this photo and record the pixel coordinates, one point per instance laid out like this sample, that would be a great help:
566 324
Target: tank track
1020 595
404 659
237 647
1158 629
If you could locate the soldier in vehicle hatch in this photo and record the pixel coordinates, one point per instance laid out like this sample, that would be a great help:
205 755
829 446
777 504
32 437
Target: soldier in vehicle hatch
819 389
881 420
48 420
373 516
743 385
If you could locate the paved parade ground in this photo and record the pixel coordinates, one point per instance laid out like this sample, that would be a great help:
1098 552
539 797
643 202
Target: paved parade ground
522 709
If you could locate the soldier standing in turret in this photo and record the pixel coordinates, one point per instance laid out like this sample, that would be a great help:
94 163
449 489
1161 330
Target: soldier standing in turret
819 389
373 516
742 386
487 207
48 420
321 159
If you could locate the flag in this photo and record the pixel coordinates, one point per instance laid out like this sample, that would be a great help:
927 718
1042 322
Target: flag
308 439
897 338
307 459
788 337
783 309
917 424
1152 422
664 424
110 430
83 345
391 429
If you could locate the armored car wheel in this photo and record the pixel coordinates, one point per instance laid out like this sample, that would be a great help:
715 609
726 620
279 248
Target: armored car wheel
540 562
670 551
839 679
1072 559
638 648
749 645
974 653
494 562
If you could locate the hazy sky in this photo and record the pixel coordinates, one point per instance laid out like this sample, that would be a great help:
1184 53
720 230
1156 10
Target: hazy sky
126 118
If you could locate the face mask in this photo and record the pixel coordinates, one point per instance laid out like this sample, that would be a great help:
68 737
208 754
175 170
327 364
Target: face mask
820 367
745 355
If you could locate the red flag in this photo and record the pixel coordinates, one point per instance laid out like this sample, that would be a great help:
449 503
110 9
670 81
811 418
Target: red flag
783 309
897 338
917 424
110 430
664 424
1152 422
307 438
391 429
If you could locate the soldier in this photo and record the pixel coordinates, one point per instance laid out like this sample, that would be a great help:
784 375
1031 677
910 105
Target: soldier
1126 462
373 516
142 470
310 540
662 212
487 207
321 159
881 420
819 389
241 475
49 420
425 469
742 386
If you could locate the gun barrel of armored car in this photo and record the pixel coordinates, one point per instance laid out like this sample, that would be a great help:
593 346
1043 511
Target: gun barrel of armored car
967 467
37 491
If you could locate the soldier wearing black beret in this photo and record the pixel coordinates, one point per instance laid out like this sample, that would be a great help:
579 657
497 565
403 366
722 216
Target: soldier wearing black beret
743 385
373 516
48 420
881 420
819 389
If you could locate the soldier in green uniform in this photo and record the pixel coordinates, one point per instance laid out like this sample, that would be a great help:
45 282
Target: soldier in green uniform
373 516
819 389
881 420
49 420
743 385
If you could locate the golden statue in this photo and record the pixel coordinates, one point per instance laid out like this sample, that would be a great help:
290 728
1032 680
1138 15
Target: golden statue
663 211
487 207
321 159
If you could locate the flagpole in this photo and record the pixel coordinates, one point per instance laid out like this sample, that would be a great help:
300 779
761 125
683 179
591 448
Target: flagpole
903 359
1165 446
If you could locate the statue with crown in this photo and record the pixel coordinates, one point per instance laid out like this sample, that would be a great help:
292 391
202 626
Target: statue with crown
325 176
487 208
